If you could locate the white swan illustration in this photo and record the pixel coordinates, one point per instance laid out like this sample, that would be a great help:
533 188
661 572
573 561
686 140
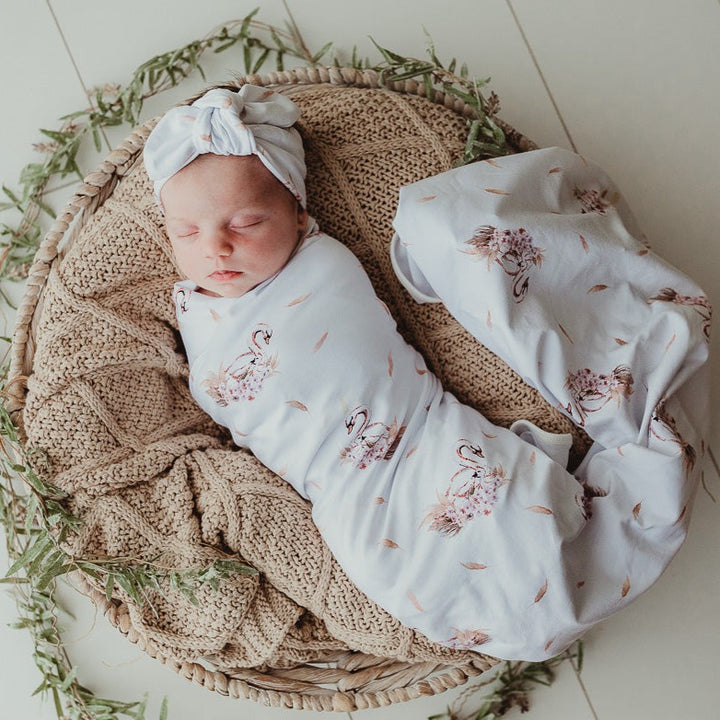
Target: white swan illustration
471 492
371 442
243 379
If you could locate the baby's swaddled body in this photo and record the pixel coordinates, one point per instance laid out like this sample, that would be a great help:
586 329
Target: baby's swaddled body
476 536
451 523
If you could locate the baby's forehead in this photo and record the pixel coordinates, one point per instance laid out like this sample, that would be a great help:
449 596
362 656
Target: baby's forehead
221 176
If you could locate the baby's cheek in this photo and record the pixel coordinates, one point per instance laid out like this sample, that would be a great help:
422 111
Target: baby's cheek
186 261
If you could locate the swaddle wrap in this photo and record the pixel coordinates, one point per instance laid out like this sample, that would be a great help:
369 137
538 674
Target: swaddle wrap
473 534
251 121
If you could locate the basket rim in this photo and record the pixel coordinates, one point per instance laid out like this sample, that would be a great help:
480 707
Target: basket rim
88 197
254 685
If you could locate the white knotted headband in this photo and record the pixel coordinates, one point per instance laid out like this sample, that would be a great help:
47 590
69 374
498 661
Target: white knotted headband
250 121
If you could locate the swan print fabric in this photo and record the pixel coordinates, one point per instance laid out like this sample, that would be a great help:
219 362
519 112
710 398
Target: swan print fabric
476 535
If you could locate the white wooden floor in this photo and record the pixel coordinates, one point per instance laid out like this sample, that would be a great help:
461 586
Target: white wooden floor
634 85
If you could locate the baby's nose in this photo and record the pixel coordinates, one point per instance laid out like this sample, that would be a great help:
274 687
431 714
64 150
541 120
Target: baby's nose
218 244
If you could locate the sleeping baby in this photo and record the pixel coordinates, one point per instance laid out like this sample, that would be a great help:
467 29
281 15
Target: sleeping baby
474 534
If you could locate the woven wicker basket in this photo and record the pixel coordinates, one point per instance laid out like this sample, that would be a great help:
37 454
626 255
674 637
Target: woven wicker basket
340 681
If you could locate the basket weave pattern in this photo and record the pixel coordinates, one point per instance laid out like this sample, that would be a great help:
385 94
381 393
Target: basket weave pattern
99 382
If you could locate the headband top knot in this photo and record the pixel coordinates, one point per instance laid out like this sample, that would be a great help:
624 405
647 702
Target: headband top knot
250 121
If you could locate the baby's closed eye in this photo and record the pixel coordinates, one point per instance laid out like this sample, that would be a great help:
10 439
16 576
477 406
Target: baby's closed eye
181 229
246 222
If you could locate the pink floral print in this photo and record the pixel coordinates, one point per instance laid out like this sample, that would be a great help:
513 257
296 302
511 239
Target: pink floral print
591 391
593 201
243 379
513 250
472 491
370 442
467 639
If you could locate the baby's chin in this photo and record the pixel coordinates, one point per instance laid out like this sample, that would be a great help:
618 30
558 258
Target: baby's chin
232 286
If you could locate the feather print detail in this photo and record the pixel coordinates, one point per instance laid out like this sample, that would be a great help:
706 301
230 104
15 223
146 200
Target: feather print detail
299 300
626 587
541 592
320 342
566 334
416 603
540 509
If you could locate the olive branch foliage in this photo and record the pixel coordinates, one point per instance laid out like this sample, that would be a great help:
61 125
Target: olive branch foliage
38 525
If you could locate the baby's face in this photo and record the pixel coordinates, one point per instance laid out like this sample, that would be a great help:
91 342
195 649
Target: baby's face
231 223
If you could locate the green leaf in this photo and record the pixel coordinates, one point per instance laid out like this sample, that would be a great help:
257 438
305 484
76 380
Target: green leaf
429 89
318 55
260 60
244 30
109 586
56 568
128 587
580 655
11 195
226 45
40 546
389 56
68 681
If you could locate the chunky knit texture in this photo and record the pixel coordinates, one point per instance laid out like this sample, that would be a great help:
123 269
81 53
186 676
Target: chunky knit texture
150 473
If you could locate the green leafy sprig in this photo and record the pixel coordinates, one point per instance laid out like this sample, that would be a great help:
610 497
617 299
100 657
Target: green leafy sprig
485 137
509 688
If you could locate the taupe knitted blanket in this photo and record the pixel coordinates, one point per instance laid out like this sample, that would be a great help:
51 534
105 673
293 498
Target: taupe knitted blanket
150 473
